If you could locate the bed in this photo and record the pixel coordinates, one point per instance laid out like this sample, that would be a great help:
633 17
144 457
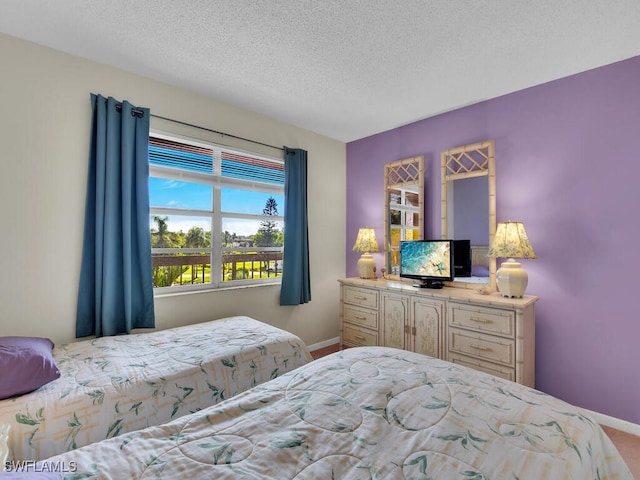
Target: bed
365 413
112 385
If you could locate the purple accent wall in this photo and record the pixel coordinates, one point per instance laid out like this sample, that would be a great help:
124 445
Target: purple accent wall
568 166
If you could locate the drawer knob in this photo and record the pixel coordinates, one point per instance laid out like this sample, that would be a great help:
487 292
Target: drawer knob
359 317
359 337
359 297
479 347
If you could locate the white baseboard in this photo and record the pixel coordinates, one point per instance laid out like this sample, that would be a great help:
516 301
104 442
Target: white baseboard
618 424
326 343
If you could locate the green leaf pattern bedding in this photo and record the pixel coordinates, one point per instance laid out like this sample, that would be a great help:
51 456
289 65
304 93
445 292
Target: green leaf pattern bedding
114 385
367 413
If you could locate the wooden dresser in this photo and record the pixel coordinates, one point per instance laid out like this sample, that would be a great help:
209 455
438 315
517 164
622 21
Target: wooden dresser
486 332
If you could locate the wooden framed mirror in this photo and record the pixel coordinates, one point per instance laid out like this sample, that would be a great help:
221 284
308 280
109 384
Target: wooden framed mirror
469 208
404 207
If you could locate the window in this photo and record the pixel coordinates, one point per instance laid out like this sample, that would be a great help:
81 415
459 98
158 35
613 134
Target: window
215 215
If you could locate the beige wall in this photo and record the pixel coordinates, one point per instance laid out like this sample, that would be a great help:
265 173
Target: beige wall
44 135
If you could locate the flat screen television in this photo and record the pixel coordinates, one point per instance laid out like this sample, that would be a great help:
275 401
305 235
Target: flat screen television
430 261
462 258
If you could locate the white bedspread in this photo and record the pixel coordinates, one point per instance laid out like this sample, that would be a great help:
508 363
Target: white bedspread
367 413
114 385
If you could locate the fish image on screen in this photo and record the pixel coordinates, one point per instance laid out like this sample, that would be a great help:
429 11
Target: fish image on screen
429 261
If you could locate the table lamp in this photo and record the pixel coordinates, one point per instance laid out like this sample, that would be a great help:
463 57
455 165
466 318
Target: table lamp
366 243
511 242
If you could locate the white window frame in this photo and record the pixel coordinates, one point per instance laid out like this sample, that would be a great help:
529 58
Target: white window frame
215 214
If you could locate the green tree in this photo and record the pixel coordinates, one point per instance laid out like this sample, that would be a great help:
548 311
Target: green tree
227 239
268 235
164 276
159 237
268 232
196 238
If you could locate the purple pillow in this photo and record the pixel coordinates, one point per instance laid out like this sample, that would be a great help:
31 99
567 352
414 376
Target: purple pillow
26 363
30 475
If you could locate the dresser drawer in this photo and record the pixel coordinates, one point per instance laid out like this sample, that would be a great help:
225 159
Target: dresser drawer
481 346
361 316
480 319
492 368
353 335
360 296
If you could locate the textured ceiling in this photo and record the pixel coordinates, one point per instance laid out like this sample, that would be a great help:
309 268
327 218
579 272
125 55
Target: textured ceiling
342 68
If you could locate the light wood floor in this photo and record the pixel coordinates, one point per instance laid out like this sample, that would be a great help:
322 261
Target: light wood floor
325 351
628 445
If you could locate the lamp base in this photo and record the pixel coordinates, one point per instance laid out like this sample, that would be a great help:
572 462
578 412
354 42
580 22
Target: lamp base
512 279
366 266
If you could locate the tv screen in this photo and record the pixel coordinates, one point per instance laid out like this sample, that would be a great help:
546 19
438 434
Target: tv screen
462 258
430 261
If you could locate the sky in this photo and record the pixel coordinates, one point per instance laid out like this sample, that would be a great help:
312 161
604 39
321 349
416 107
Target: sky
171 193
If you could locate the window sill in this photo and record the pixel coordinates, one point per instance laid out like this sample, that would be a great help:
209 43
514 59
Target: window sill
159 293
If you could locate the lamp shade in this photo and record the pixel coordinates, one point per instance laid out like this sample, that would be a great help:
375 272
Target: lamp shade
366 241
511 241
365 244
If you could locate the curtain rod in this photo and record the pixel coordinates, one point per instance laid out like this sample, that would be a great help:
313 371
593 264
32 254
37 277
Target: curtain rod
216 131
139 113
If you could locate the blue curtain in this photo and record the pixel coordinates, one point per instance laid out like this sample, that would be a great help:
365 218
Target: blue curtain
296 283
116 287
